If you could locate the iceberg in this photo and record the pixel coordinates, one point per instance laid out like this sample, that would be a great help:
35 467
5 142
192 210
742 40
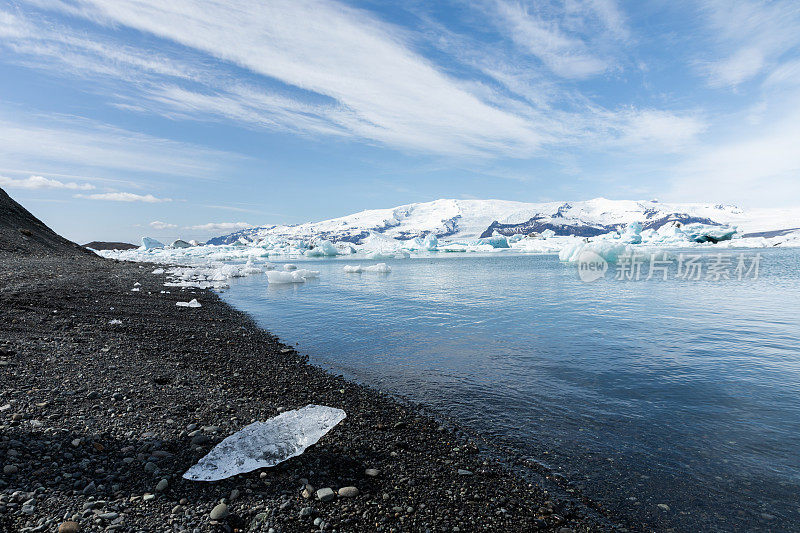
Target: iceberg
548 233
323 249
382 268
266 444
277 277
289 267
611 251
192 303
495 241
706 233
149 243
632 233
181 244
431 242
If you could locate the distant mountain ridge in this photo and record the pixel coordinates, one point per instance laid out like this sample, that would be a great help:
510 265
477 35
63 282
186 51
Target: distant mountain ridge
473 219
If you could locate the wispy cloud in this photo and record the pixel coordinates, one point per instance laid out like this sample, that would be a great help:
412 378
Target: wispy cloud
57 142
758 32
123 197
223 226
557 35
159 225
40 182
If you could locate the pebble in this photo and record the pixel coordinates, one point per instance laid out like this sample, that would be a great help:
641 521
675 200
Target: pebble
89 489
372 472
162 485
325 494
663 506
348 492
305 512
69 527
10 469
462 472
220 512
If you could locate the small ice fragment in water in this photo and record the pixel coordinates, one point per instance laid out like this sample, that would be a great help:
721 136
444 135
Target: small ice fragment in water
193 303
353 269
289 267
265 444
275 277
380 267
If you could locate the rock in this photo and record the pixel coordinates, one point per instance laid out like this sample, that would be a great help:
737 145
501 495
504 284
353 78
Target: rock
69 527
348 492
663 506
326 494
372 472
89 489
462 472
150 467
148 497
10 469
220 512
305 512
234 494
162 485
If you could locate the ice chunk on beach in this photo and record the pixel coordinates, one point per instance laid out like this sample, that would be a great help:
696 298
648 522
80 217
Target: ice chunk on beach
265 444
149 243
192 303
158 271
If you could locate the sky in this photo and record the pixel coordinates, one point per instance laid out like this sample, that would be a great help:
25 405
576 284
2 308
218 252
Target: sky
124 118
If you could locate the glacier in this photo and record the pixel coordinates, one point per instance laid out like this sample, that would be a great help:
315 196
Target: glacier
266 444
444 227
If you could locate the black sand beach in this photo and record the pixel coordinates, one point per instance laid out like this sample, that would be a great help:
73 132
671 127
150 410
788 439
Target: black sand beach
100 420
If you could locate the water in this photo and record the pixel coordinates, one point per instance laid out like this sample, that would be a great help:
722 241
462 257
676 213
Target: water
684 393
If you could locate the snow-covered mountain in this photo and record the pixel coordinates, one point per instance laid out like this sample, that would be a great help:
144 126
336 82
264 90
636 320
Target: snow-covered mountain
473 219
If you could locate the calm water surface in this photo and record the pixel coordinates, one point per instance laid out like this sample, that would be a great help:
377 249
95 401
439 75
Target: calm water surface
684 393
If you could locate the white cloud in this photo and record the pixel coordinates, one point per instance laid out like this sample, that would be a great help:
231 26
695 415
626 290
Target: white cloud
157 224
752 35
123 197
214 226
40 182
378 88
567 56
59 142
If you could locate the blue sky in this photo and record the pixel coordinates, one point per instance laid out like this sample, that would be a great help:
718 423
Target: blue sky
120 118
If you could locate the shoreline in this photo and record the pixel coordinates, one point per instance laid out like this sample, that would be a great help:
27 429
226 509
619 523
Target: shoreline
99 414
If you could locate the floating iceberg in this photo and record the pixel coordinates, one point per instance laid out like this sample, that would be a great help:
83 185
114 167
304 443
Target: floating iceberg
380 267
611 251
181 244
277 277
707 233
323 249
193 303
149 243
632 233
495 241
289 267
431 242
265 444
